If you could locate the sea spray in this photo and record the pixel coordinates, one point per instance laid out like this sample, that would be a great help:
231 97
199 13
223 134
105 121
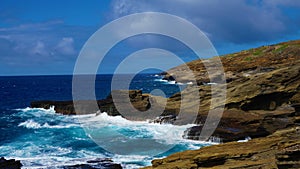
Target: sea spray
41 144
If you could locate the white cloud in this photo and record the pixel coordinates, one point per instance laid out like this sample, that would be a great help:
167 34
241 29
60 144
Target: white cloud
66 46
42 26
292 3
233 21
39 49
39 42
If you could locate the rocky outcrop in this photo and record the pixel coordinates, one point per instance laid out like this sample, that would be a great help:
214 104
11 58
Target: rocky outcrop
263 102
139 101
263 94
9 164
169 77
238 125
240 64
99 163
279 150
169 119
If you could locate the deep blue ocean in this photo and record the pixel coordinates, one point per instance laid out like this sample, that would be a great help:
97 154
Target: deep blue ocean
44 139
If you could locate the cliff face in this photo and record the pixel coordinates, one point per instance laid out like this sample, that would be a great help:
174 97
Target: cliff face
240 64
262 91
257 104
279 150
263 102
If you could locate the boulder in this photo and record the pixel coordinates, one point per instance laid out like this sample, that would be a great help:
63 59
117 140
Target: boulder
9 163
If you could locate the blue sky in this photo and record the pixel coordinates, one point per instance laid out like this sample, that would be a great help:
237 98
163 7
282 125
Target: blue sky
45 37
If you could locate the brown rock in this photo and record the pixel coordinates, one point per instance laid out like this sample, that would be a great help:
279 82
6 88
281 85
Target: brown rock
279 150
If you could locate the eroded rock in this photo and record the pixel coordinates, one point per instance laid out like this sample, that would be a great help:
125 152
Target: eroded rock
279 150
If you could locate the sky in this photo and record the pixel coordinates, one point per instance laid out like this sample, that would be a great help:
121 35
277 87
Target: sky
46 37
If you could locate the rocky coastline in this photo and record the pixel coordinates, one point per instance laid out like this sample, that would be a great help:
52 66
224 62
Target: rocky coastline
263 96
98 163
262 102
279 150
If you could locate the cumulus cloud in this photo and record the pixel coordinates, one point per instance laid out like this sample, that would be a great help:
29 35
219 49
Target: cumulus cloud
66 46
39 49
38 43
231 21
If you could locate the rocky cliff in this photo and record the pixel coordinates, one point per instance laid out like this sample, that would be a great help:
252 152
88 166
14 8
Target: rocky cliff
263 96
279 150
262 91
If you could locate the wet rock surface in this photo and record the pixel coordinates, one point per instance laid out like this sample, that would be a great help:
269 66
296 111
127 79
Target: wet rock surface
279 150
100 163
9 163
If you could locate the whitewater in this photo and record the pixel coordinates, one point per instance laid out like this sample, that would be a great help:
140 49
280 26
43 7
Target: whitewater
42 138
55 140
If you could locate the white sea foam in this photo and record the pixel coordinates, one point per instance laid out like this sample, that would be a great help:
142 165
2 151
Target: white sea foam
210 84
31 124
29 109
37 154
165 81
245 140
53 162
164 133
38 118
160 80
131 160
173 82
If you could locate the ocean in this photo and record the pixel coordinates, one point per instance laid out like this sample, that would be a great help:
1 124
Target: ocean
44 139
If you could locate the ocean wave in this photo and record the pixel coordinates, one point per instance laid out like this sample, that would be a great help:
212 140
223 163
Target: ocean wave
166 81
173 82
164 133
30 109
160 80
41 153
31 124
48 162
100 126
133 161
